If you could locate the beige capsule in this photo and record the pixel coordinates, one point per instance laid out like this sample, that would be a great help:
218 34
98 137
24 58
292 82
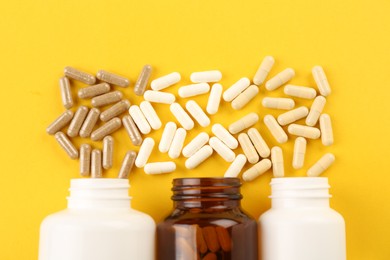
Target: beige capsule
85 159
300 91
245 97
277 161
96 164
259 142
257 170
248 148
79 75
89 122
66 93
132 130
321 165
299 153
93 91
115 110
293 115
127 164
106 129
304 131
280 79
326 130
315 110
108 152
243 123
77 121
60 122
106 99
276 130
142 81
278 103
321 80
263 70
112 78
67 145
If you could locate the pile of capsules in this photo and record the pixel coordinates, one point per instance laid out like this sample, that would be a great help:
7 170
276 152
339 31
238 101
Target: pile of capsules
141 119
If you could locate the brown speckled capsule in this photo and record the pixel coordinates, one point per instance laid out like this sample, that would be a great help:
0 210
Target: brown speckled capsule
127 164
77 121
67 145
89 122
96 164
66 93
200 242
224 238
106 129
112 78
108 152
142 81
115 110
211 238
79 75
106 99
85 159
210 256
93 91
60 122
132 130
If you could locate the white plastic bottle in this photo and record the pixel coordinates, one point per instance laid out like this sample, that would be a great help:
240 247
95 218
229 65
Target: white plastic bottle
300 224
98 224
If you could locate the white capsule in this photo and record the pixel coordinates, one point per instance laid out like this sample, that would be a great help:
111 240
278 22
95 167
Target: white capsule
221 148
248 148
139 119
198 142
244 122
278 103
326 130
194 90
224 135
159 167
263 70
197 112
200 156
235 167
159 97
150 115
321 80
165 81
300 91
206 76
214 99
167 137
277 161
259 143
275 129
299 153
280 79
245 97
177 143
304 131
315 110
182 116
293 115
238 87
257 170
144 152
321 165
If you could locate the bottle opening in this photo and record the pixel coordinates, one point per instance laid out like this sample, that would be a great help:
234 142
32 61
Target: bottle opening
300 187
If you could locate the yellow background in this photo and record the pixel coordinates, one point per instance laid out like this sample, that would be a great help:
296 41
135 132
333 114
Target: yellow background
350 39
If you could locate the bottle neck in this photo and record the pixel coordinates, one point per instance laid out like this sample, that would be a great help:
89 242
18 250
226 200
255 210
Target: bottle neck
99 193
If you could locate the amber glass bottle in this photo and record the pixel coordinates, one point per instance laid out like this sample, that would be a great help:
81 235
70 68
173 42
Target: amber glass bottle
207 222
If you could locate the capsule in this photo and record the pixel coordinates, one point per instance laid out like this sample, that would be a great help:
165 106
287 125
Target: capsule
79 75
85 159
198 142
197 113
293 115
224 238
144 152
77 121
275 129
132 130
167 137
304 131
245 97
106 129
206 76
177 143
67 145
238 87
96 164
107 99
214 99
142 81
248 148
278 103
182 116
89 122
321 165
165 81
263 70
115 110
150 115
222 149
66 93
259 143
194 90
277 162
159 167
200 156
112 78
243 123
159 97
300 91
127 165
257 170
326 130
108 152
60 122
236 166
315 110
321 80
93 91
211 238
299 153
224 135
280 79
139 119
